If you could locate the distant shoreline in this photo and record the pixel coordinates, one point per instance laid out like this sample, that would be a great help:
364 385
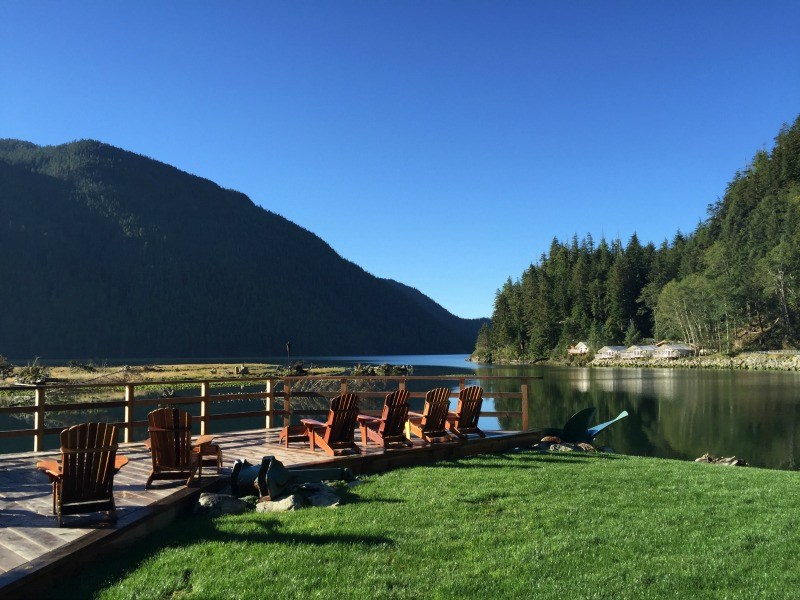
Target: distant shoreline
746 361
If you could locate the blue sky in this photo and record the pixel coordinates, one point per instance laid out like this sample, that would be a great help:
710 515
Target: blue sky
442 144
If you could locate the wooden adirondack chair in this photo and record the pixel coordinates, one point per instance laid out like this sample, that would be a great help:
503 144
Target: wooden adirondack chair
430 425
464 421
84 480
337 434
174 454
388 429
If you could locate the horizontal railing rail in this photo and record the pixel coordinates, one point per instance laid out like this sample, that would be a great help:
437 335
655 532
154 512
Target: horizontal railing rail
206 399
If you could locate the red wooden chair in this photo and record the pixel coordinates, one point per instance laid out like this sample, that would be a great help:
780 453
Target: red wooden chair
337 434
84 480
430 425
174 454
464 421
388 429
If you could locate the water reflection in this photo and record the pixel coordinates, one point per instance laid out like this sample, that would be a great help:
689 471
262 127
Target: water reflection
673 413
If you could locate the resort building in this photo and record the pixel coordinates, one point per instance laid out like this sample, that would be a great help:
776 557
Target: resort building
579 348
608 352
673 351
635 352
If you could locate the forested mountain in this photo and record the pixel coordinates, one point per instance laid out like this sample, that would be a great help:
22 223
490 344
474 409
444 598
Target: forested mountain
730 284
111 254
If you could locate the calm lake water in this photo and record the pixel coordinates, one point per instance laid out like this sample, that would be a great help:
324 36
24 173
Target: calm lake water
674 413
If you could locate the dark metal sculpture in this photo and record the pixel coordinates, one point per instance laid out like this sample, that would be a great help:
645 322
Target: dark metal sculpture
271 478
577 430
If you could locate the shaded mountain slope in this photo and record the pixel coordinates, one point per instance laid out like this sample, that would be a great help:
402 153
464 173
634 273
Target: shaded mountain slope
112 254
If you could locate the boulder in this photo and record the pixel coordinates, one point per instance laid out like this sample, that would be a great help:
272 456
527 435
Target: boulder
551 439
587 447
564 448
215 505
730 461
290 502
324 500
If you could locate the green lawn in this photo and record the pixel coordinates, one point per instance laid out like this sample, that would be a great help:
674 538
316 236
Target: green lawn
520 525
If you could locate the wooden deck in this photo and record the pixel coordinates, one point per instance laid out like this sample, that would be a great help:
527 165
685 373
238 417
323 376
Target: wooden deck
33 549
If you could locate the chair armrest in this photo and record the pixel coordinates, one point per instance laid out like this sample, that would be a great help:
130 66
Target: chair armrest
119 462
203 440
51 467
415 414
147 444
368 419
312 423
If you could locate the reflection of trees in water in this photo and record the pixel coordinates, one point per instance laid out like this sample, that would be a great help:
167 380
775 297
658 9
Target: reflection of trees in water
672 413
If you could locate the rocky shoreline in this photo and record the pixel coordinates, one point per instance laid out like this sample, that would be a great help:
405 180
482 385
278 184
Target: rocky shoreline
741 362
746 361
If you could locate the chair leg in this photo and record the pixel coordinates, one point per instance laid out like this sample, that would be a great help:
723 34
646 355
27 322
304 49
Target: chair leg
150 480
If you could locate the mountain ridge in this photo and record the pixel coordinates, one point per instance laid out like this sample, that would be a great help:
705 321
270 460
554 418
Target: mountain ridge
118 254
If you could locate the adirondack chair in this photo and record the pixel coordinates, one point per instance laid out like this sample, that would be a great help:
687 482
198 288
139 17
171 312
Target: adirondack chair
388 429
84 480
337 434
430 425
464 421
174 454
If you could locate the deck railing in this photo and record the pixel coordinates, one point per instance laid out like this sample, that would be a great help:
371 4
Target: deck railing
275 388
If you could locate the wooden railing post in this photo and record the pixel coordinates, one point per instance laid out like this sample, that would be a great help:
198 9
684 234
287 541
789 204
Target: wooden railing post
38 420
270 404
401 385
461 384
524 406
204 428
127 436
342 387
287 402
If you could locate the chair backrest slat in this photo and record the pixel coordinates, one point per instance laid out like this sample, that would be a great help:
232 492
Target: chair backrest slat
437 405
170 438
342 419
395 413
470 400
88 454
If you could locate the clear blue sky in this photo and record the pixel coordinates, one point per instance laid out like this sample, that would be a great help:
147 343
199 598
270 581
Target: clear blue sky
442 144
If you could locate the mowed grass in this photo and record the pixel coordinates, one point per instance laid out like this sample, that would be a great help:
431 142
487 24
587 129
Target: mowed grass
516 525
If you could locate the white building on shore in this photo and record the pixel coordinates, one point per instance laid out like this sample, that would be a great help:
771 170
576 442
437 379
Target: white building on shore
579 348
637 351
609 352
678 350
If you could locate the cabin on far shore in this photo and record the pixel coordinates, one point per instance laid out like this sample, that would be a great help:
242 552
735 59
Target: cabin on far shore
670 350
609 352
636 351
579 348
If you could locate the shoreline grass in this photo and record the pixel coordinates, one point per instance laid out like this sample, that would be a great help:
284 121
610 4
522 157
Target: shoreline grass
512 525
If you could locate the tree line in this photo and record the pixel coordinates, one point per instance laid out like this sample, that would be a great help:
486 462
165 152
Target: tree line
730 284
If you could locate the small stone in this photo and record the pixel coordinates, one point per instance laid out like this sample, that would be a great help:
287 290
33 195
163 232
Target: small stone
587 447
290 502
562 448
215 505
355 482
551 439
